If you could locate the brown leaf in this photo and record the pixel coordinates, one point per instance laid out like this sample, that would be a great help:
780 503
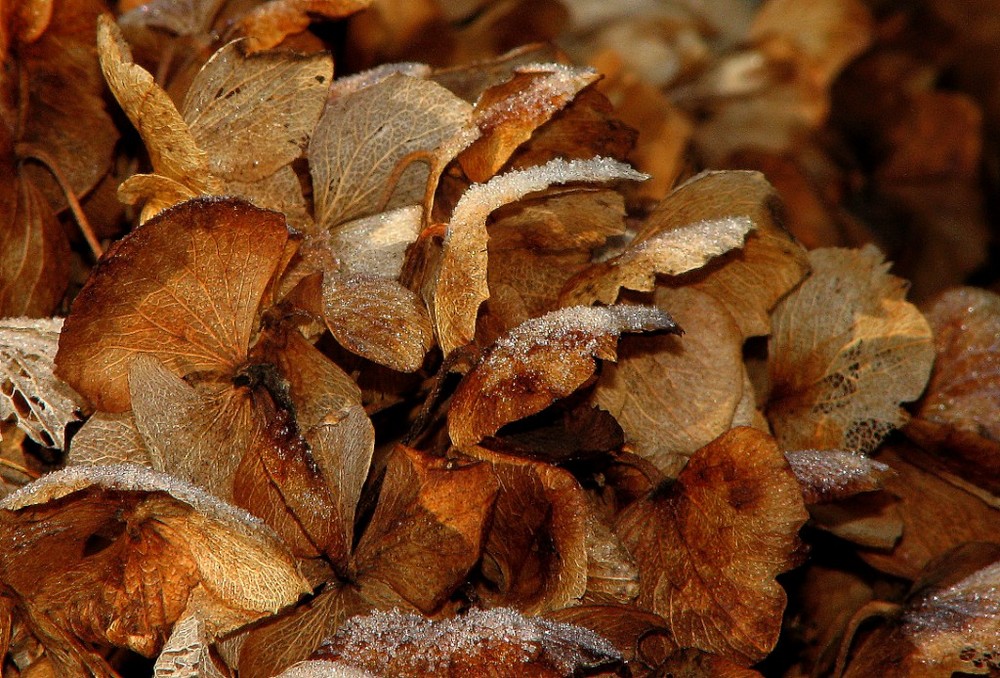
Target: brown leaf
508 113
188 649
252 115
642 637
34 254
482 642
378 319
108 439
375 245
271 22
428 527
535 557
846 350
41 404
152 544
540 361
709 545
707 216
937 515
185 287
950 624
829 475
672 395
172 149
957 415
364 135
460 283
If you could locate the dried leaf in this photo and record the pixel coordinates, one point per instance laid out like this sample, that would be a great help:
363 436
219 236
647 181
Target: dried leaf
364 135
266 104
375 245
705 217
318 668
482 642
34 254
271 22
428 528
950 624
185 287
709 545
673 395
642 637
846 350
508 113
172 149
108 439
187 653
460 284
153 544
540 361
957 415
378 319
41 404
829 475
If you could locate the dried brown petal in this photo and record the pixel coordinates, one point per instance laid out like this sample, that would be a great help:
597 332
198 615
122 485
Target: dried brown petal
709 545
188 651
958 413
378 319
540 361
364 135
271 22
152 544
481 642
460 284
41 404
108 439
252 115
428 528
707 216
642 637
673 395
829 475
375 245
846 350
185 287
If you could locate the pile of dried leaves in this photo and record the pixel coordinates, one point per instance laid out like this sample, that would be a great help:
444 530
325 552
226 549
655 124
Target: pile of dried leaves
451 360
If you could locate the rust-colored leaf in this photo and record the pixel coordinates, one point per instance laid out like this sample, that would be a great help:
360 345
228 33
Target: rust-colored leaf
481 642
846 350
271 22
709 545
829 475
540 361
185 287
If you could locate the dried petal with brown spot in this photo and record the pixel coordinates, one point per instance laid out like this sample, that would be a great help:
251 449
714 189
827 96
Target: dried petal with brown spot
709 545
153 546
481 643
185 287
846 350
540 361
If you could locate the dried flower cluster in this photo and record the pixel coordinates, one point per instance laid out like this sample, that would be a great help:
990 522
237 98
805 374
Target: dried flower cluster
426 362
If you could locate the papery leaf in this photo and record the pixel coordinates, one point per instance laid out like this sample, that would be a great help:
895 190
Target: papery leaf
379 319
180 17
109 439
460 283
829 475
41 404
280 641
709 545
704 218
428 527
34 254
957 413
375 245
950 625
251 115
612 576
185 287
481 642
673 395
642 637
846 350
172 149
151 543
508 113
187 652
539 361
271 22
363 135
318 668
535 556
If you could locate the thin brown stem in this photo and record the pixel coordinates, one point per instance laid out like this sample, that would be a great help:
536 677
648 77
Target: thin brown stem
28 152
